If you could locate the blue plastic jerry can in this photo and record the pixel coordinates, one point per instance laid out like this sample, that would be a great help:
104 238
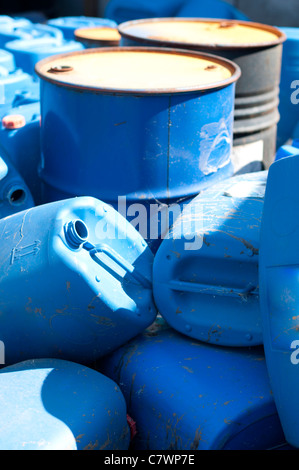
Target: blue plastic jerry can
15 195
7 60
58 405
279 292
17 88
205 275
288 150
185 395
83 278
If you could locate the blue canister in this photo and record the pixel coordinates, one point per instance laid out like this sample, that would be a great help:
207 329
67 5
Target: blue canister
69 24
12 31
15 195
83 276
27 52
279 296
288 150
187 396
205 274
58 405
16 88
158 131
7 60
289 87
20 138
210 9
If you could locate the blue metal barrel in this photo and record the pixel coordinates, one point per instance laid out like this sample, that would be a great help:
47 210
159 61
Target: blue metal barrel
278 276
83 276
150 133
210 9
58 405
15 195
121 10
205 275
98 37
27 52
185 395
289 87
21 142
69 24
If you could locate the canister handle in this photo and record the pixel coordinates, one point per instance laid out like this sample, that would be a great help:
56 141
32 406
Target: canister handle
182 286
128 267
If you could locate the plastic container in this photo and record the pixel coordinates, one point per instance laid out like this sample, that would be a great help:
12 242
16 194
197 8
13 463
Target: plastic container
27 52
16 88
69 24
14 193
279 290
251 46
58 405
205 275
288 150
20 138
83 277
13 31
7 60
151 131
289 86
187 396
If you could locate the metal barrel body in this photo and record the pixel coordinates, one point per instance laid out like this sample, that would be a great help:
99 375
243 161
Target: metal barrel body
257 91
59 405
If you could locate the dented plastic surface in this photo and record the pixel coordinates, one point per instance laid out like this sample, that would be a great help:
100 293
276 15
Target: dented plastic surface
206 271
83 275
58 405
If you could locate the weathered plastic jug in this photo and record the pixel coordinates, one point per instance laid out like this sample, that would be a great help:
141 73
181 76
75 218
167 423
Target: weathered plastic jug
205 275
20 138
279 267
28 52
186 396
83 280
69 24
58 405
14 193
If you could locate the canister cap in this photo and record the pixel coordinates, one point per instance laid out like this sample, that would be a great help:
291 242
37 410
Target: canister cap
139 69
13 121
209 33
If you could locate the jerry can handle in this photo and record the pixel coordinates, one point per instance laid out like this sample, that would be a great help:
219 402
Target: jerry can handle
128 267
182 286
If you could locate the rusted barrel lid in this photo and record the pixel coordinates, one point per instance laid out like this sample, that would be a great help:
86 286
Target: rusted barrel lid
104 36
138 70
210 33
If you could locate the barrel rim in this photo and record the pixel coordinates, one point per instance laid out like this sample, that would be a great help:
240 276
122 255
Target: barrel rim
281 36
233 67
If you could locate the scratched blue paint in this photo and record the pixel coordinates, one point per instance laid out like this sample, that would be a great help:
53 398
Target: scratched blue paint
83 277
58 405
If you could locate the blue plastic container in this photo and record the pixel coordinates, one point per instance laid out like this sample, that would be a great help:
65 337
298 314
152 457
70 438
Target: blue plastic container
7 60
289 87
15 196
186 396
210 9
140 138
12 31
16 88
83 277
27 52
58 405
22 144
121 10
205 276
69 24
279 290
288 150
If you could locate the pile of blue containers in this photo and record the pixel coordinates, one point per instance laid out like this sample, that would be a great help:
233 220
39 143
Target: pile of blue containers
148 230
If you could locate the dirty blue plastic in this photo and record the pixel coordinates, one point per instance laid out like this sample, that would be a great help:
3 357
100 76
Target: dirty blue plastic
58 405
15 195
185 395
122 10
210 9
69 24
288 150
16 88
27 52
289 87
205 276
22 145
11 32
84 282
279 263
7 60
